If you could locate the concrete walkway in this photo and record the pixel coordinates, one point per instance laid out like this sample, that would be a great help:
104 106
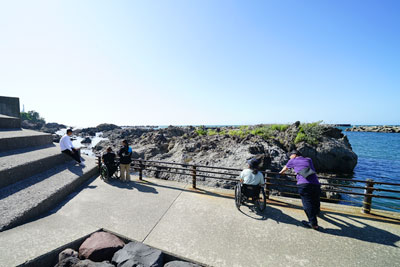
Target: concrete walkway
204 225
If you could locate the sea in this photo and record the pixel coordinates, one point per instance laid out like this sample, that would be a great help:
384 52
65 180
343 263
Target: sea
379 160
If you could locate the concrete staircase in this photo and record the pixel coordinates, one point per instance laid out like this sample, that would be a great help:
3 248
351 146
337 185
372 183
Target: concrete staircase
34 175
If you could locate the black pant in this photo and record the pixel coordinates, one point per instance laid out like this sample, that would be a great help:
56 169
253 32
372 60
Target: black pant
76 155
111 169
310 194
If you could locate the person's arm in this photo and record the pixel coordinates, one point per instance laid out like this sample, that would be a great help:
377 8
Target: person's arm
288 166
284 169
241 177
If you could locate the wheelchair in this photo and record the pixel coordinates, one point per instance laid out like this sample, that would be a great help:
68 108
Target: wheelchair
105 173
245 192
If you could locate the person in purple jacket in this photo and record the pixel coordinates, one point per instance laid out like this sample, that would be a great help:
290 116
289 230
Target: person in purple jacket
308 185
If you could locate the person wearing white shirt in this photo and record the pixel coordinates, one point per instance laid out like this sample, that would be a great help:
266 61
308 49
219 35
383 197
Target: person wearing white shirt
252 179
67 147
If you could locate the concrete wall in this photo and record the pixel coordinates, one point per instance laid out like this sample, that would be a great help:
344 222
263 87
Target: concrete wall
9 106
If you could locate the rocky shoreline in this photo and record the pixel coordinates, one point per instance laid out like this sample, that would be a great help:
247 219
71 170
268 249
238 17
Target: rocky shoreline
375 129
232 146
328 147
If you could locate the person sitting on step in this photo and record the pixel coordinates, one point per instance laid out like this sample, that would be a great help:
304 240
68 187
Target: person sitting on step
67 147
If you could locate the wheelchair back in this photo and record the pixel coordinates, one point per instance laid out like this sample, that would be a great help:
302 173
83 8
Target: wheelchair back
250 190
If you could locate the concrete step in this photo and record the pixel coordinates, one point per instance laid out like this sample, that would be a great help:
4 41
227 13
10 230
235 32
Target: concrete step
28 199
7 122
15 139
17 165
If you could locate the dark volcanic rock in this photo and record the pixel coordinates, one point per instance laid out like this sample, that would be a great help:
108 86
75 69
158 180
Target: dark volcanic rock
56 138
67 262
31 125
138 254
331 155
91 131
52 127
86 140
89 263
180 264
69 252
100 246
107 127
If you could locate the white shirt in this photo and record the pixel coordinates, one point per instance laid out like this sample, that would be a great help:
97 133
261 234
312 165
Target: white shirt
250 178
65 143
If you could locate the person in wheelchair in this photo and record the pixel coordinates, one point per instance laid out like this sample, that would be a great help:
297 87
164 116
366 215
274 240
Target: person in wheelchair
252 179
108 159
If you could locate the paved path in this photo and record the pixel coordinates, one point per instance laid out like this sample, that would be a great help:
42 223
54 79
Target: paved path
205 225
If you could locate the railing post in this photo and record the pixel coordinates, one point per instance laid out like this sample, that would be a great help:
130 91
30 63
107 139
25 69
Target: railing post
194 177
140 170
267 186
99 163
368 199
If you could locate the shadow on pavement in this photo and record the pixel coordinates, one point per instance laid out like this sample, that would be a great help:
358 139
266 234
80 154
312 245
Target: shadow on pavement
189 190
141 187
358 230
352 225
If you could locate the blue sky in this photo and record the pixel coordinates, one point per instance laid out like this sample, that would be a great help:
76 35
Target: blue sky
82 63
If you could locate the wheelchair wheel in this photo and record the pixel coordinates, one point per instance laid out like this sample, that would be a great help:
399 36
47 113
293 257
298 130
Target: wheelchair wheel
104 172
117 173
261 201
238 196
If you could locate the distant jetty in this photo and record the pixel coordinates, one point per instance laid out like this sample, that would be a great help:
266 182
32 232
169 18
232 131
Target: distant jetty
340 125
376 129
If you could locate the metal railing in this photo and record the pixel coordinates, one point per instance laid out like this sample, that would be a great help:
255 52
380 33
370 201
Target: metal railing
273 181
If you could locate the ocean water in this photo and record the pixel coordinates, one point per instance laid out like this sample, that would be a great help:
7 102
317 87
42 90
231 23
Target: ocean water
379 160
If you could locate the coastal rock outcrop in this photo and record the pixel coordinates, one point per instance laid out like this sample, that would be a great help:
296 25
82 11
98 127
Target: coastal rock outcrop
231 147
51 127
91 131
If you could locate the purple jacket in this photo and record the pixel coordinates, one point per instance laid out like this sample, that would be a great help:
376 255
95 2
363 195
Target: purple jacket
300 163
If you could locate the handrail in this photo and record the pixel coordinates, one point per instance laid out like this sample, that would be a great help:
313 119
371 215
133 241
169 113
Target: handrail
210 172
264 172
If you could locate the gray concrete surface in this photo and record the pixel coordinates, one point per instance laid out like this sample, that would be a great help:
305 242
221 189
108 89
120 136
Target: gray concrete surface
7 122
9 106
17 165
16 139
32 197
204 225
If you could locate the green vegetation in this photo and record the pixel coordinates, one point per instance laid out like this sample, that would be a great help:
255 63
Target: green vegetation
310 133
279 127
32 116
201 130
265 131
